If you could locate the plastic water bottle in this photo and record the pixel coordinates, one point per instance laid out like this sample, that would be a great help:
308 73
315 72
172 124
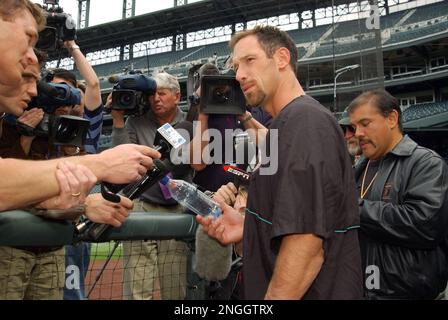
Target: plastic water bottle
190 197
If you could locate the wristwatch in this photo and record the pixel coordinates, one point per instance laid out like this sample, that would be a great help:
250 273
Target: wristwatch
247 119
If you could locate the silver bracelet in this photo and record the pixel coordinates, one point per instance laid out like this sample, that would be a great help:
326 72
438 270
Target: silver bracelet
73 47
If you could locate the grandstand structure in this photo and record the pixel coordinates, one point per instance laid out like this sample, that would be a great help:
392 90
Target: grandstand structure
401 45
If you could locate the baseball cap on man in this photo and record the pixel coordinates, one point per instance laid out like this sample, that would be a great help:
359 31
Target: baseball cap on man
345 120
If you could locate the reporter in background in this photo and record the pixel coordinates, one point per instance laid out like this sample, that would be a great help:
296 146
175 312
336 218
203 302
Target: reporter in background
211 176
350 138
91 107
20 22
145 261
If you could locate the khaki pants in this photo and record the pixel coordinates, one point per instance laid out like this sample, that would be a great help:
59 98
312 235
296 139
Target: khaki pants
25 275
147 263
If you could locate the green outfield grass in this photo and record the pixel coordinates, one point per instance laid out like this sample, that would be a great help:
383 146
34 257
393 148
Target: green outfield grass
100 251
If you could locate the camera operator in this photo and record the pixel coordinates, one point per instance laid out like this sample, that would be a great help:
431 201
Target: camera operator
211 176
24 183
91 107
167 258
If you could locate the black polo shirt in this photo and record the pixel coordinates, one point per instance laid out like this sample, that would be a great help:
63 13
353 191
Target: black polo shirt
313 192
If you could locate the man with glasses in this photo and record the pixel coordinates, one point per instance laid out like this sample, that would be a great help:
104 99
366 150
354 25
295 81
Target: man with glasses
349 135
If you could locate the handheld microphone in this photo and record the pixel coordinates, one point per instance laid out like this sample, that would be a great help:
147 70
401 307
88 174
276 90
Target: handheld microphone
239 174
213 260
167 139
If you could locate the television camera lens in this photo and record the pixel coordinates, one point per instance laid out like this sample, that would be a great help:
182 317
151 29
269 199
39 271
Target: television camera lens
47 39
126 100
221 94
66 131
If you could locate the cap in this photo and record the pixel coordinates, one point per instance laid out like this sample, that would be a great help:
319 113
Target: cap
165 180
344 120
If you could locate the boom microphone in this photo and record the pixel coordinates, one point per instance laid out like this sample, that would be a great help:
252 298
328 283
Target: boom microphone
213 260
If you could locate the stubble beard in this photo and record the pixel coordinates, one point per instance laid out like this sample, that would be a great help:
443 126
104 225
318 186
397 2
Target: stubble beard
255 99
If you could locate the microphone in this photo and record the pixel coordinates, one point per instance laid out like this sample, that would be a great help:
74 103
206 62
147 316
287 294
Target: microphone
167 138
245 150
213 260
240 175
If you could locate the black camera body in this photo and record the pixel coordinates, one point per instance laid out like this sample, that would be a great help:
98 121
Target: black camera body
63 129
221 94
130 93
54 95
60 27
59 129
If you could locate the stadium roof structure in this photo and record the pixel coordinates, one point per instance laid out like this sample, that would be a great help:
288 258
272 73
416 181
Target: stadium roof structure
189 18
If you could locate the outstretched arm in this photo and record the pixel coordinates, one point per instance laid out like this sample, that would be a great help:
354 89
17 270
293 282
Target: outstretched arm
93 92
27 182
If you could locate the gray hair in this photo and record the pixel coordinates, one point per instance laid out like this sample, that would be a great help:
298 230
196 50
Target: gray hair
167 81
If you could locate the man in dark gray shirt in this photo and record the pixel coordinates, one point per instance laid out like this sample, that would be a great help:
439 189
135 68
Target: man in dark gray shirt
299 231
145 262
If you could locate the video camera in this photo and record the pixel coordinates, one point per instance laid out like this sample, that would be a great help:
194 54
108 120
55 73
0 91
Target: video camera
54 95
60 129
167 139
60 27
221 94
131 92
220 91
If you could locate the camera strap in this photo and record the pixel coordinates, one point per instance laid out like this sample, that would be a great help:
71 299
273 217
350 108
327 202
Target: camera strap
25 130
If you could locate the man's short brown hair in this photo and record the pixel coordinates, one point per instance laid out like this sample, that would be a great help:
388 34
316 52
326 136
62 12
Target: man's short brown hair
41 57
270 39
382 100
9 8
